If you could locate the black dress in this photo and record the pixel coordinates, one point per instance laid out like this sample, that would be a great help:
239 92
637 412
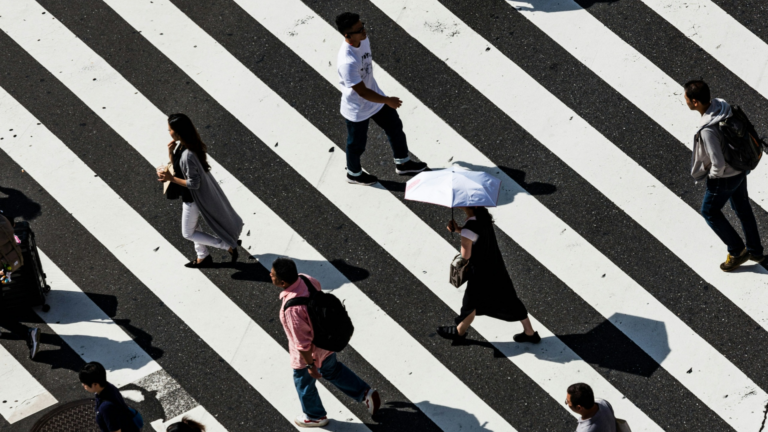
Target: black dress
489 288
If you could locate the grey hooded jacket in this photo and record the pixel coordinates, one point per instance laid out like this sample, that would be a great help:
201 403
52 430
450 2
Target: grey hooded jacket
707 159
213 204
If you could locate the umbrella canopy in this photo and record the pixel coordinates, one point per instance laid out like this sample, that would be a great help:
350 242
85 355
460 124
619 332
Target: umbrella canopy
454 187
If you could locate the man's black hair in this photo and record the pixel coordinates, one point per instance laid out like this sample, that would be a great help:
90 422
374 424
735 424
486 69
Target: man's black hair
581 394
93 372
698 90
285 270
346 21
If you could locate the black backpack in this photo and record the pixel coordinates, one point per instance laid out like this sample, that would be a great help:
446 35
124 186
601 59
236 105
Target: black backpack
330 322
743 147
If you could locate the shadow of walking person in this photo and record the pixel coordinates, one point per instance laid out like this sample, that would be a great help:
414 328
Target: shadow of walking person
17 205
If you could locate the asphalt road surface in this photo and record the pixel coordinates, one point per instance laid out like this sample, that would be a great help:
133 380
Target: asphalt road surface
576 105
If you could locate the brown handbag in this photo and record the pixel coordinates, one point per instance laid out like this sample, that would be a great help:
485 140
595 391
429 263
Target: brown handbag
459 271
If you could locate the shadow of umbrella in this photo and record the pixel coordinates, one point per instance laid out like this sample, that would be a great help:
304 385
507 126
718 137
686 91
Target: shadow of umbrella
17 205
651 334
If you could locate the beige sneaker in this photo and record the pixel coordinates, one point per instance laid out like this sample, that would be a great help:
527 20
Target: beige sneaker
732 262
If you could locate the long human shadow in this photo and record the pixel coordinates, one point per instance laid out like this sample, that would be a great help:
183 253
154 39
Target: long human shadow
559 5
331 274
511 189
17 205
591 347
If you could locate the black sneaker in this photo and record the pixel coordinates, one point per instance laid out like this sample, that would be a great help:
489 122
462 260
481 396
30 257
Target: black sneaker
451 332
733 262
363 179
522 337
410 167
34 342
756 258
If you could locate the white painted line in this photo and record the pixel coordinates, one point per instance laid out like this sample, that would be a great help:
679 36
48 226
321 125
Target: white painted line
377 214
189 294
198 414
206 47
20 393
90 332
616 62
378 338
720 35
644 84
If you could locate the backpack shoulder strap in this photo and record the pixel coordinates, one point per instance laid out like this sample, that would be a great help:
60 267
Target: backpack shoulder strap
296 301
309 284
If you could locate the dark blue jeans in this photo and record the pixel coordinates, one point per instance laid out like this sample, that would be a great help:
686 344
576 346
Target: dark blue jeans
338 375
357 137
733 189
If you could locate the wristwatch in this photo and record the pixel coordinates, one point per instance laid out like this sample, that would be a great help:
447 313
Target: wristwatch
310 366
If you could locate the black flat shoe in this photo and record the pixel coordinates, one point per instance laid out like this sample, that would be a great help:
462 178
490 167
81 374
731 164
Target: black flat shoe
522 337
450 332
205 263
235 252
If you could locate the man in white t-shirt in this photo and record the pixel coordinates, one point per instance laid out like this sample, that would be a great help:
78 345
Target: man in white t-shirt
362 100
596 415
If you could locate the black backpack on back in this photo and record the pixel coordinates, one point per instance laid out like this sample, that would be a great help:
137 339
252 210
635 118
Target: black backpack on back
330 322
743 147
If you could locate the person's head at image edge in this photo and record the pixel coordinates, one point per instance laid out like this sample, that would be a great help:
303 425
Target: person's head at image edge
697 96
93 377
284 272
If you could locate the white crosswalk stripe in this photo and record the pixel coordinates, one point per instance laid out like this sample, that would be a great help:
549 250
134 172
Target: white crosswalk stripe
189 294
21 395
383 342
378 338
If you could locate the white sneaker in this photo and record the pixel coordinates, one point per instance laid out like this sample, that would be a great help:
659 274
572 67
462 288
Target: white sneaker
372 401
34 342
303 421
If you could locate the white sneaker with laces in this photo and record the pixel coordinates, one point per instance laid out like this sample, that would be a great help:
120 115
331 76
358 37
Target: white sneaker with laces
372 401
303 421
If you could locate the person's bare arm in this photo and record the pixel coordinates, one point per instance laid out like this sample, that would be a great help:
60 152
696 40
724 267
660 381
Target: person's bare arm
372 96
466 248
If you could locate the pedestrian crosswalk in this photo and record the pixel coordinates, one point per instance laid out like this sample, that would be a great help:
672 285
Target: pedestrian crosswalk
86 120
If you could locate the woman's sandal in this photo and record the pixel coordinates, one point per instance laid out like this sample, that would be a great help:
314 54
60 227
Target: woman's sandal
205 263
235 253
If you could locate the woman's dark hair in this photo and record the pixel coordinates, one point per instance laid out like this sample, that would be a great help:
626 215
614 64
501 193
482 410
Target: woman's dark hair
346 21
93 372
581 394
186 425
190 138
482 214
698 90
285 270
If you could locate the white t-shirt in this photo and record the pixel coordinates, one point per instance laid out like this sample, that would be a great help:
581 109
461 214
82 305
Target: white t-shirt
355 65
469 233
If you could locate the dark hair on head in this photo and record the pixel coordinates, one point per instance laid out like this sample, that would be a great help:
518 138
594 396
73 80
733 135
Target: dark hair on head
190 138
581 394
698 90
93 372
346 21
482 214
185 425
285 270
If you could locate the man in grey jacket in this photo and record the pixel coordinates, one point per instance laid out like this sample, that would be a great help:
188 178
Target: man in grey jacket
724 183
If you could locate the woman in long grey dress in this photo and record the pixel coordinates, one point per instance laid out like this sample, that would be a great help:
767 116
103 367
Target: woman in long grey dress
201 195
490 290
